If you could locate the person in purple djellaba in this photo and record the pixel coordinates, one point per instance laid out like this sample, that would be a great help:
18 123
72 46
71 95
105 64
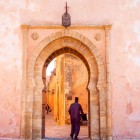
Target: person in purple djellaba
75 110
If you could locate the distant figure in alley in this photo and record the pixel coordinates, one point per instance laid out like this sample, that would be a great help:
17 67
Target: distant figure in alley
74 111
48 108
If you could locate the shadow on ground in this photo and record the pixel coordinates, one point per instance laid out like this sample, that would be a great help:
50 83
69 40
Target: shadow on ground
84 138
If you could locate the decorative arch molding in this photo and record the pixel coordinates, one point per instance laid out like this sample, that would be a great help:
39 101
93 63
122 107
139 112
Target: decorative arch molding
34 84
71 34
70 51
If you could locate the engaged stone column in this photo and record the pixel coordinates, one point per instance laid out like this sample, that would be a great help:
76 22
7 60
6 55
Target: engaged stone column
94 112
109 123
37 120
23 98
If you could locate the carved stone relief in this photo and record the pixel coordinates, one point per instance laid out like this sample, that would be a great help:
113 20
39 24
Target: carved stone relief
35 36
97 37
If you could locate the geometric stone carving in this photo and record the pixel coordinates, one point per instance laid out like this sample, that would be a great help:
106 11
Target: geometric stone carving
68 70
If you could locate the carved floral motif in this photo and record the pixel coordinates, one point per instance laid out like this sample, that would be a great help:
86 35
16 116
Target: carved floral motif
97 37
35 36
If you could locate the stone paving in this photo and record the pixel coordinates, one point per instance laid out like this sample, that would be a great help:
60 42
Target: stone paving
56 132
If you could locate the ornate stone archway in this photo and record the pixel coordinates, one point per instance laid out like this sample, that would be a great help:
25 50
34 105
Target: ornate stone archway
99 127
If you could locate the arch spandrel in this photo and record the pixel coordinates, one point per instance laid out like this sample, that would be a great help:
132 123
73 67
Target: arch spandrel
67 33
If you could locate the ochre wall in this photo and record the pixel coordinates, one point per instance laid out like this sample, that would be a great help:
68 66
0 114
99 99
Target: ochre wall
79 81
57 99
60 89
124 55
51 89
76 80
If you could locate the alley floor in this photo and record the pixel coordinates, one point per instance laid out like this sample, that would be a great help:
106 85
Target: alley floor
53 131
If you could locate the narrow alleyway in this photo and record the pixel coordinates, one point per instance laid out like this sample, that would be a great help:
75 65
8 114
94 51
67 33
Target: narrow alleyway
56 132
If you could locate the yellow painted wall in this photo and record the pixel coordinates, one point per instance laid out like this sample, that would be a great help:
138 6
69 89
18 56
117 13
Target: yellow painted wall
57 100
51 93
76 78
61 96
